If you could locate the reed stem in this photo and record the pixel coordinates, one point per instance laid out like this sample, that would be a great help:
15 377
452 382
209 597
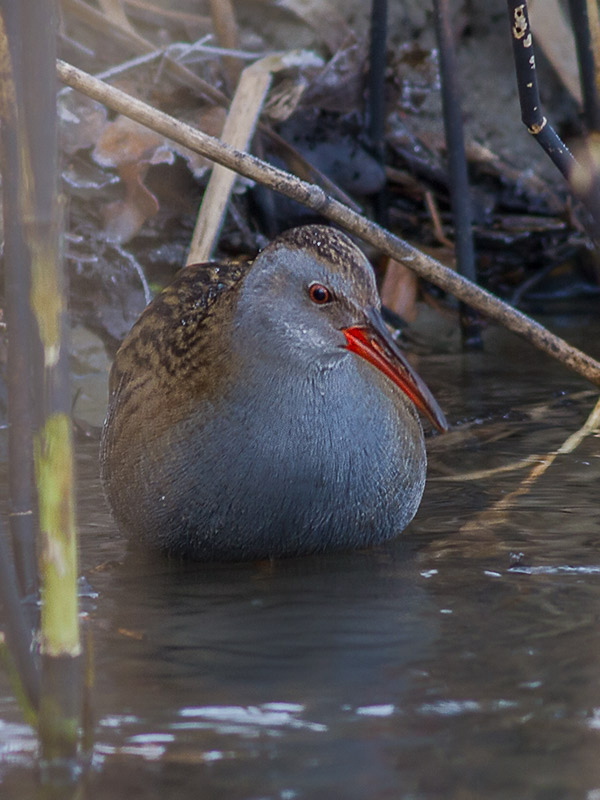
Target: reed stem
31 35
17 315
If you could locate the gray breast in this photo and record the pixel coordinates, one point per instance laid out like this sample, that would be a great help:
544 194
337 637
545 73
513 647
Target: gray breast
336 461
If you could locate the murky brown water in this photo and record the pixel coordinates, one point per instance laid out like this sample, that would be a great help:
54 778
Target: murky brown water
460 661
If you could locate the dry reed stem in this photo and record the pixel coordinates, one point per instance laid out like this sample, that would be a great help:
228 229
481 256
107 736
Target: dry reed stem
238 131
169 13
494 515
227 36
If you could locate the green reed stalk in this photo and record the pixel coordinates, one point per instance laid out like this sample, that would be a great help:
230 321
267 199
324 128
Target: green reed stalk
18 321
18 576
32 39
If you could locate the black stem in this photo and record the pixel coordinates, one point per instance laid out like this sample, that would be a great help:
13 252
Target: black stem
582 179
587 66
457 166
376 97
377 63
529 95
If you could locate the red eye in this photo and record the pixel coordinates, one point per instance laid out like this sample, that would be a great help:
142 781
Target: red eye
319 294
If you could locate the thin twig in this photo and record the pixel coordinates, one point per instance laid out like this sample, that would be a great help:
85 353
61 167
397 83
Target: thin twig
169 13
438 228
315 198
493 515
138 44
484 474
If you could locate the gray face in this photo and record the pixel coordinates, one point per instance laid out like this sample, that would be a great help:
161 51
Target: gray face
279 313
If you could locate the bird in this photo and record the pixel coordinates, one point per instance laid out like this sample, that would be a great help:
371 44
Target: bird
262 409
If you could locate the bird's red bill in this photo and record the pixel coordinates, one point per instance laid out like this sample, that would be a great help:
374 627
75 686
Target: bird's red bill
382 352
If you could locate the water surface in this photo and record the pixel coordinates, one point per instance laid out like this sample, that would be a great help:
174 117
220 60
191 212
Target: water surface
459 661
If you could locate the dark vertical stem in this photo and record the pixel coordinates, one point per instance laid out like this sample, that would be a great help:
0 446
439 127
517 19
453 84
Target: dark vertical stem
18 319
376 96
586 60
457 165
377 63
18 630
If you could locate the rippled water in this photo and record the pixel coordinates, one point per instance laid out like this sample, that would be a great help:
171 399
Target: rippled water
460 661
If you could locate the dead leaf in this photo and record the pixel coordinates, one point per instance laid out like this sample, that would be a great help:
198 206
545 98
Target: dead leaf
81 121
130 148
284 100
399 290
124 141
124 218
137 635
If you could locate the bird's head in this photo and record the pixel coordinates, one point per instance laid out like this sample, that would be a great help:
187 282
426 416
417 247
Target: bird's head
310 298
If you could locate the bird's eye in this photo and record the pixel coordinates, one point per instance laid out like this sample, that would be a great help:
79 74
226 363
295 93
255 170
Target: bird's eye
319 294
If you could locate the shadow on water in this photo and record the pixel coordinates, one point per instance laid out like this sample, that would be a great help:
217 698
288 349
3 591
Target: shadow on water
460 661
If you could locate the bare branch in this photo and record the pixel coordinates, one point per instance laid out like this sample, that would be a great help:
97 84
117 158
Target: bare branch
315 198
